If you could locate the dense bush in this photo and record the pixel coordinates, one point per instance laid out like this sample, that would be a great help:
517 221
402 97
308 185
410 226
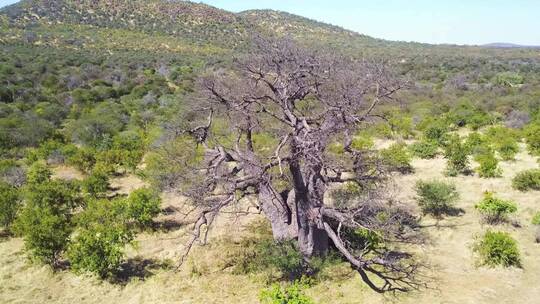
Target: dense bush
142 206
397 158
9 204
457 155
436 197
489 165
495 210
83 159
100 241
424 149
289 294
527 180
96 184
498 249
38 173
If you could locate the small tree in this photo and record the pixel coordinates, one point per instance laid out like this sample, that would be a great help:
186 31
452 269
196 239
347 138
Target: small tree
495 210
9 204
436 197
457 155
497 249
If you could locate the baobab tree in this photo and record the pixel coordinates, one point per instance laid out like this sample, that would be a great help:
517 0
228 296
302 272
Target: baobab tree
282 128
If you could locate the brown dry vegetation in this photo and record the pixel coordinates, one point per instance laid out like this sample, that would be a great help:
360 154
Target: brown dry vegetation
454 277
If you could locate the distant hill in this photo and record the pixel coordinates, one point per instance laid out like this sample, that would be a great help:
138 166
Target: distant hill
509 45
176 26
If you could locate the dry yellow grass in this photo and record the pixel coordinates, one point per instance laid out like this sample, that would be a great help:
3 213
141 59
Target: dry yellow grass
455 278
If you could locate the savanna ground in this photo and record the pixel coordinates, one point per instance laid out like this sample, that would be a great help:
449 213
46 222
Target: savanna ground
453 276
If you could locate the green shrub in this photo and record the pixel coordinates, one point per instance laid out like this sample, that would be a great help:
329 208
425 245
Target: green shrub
424 149
362 142
45 221
143 205
527 180
507 148
532 137
494 209
476 143
289 294
97 184
536 219
10 203
38 173
457 155
498 249
100 241
436 197
397 158
436 132
45 231
489 165
59 194
83 159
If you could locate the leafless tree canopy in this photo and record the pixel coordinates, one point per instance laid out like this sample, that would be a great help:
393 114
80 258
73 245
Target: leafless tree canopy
281 127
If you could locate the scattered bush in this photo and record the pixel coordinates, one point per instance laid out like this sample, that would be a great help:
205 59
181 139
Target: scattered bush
536 219
436 197
9 204
142 206
498 249
424 149
457 155
489 165
289 294
527 180
495 210
397 158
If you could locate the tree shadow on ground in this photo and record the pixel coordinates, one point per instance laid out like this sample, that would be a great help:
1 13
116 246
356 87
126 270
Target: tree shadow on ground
139 268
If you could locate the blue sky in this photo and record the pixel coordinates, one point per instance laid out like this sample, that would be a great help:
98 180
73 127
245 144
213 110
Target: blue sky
432 21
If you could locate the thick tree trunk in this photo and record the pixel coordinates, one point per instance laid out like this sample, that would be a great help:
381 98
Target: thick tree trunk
280 214
312 241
